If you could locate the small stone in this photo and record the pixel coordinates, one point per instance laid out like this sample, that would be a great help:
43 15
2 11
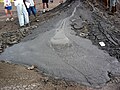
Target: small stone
102 44
56 77
31 68
33 85
24 86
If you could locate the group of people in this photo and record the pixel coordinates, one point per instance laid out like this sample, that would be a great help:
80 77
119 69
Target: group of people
24 9
111 5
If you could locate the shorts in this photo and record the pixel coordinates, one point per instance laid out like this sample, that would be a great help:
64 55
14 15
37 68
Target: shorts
44 1
8 7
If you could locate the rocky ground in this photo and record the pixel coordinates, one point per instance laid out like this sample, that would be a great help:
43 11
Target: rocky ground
17 77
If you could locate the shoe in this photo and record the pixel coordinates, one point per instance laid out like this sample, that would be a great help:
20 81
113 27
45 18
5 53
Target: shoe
28 25
11 19
43 10
37 20
7 19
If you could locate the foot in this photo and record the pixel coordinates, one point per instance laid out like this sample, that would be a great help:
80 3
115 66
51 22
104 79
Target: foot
11 19
37 20
28 25
107 9
110 13
43 10
7 19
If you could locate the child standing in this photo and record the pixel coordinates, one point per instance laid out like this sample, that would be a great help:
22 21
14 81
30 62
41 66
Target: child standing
8 8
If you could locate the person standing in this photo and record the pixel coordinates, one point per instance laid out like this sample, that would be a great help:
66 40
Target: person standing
22 13
8 8
45 2
30 5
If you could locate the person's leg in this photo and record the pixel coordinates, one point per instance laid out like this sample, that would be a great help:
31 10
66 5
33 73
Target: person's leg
29 11
43 2
20 15
9 9
43 7
6 12
11 15
34 11
47 5
25 13
107 4
113 6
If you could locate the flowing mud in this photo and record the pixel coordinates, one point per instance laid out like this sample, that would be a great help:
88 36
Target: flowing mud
79 60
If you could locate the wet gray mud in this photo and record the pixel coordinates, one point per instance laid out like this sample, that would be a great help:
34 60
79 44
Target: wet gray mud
55 49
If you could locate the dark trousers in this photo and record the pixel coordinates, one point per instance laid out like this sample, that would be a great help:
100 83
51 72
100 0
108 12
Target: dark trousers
32 9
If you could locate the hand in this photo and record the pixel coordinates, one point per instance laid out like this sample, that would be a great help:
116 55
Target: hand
6 4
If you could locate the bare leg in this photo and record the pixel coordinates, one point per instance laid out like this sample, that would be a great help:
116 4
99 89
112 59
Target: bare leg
47 5
6 12
43 7
10 13
107 4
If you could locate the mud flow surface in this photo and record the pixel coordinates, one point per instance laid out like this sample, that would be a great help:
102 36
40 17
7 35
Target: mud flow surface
76 42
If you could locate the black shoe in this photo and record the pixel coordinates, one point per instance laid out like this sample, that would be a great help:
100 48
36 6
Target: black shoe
28 25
